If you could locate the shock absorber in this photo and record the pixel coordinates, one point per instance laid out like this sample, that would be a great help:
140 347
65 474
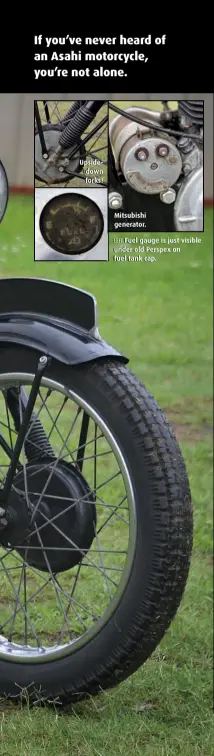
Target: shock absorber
79 123
71 112
36 444
76 125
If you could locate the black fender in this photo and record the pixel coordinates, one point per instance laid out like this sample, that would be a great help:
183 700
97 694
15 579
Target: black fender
54 319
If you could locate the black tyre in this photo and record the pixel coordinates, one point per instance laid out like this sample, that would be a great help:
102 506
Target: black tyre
155 570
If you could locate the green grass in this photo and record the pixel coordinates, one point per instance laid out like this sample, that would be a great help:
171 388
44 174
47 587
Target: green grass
161 315
58 110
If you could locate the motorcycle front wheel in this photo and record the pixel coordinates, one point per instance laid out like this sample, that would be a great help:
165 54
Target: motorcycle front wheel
88 590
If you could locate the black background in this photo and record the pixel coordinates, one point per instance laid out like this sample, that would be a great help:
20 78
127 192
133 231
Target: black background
181 65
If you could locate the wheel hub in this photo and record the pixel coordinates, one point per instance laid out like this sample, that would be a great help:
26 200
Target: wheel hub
67 500
55 173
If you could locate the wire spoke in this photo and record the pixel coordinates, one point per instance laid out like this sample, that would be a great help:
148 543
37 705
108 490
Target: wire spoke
54 422
16 605
69 540
54 583
6 426
22 608
77 596
54 425
28 601
94 136
83 498
70 603
115 511
107 579
49 582
50 464
54 466
95 459
98 137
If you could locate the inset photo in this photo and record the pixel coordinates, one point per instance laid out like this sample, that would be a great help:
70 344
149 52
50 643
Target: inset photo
71 143
156 165
71 224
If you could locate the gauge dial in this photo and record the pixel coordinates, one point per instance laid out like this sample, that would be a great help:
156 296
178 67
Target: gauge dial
71 223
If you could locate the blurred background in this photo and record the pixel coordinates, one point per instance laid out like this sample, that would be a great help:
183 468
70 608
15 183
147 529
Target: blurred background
17 132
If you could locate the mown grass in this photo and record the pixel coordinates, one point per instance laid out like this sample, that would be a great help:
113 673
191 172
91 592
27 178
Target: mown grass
161 315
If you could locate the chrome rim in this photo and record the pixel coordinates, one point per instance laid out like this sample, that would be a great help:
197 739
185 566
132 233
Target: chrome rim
46 616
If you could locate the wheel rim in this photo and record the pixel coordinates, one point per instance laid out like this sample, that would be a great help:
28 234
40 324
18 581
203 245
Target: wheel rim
25 613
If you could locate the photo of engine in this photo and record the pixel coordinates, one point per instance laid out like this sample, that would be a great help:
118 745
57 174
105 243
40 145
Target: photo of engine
156 164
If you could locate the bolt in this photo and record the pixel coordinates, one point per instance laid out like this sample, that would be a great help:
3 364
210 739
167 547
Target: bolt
184 122
185 145
187 169
141 154
43 359
183 142
45 156
172 159
63 164
115 200
153 166
168 196
162 150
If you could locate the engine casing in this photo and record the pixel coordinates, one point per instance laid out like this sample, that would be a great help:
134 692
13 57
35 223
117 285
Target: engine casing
189 205
150 163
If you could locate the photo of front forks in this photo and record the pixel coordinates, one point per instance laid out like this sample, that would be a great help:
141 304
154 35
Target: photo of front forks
71 137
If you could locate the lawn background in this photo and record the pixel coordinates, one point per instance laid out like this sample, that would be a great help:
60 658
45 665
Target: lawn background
161 315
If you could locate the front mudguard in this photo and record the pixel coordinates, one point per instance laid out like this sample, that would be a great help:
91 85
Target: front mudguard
54 319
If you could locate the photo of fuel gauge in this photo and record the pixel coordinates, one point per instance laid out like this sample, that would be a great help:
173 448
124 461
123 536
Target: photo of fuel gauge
71 225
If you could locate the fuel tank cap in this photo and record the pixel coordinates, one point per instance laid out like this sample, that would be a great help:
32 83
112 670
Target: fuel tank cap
71 224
